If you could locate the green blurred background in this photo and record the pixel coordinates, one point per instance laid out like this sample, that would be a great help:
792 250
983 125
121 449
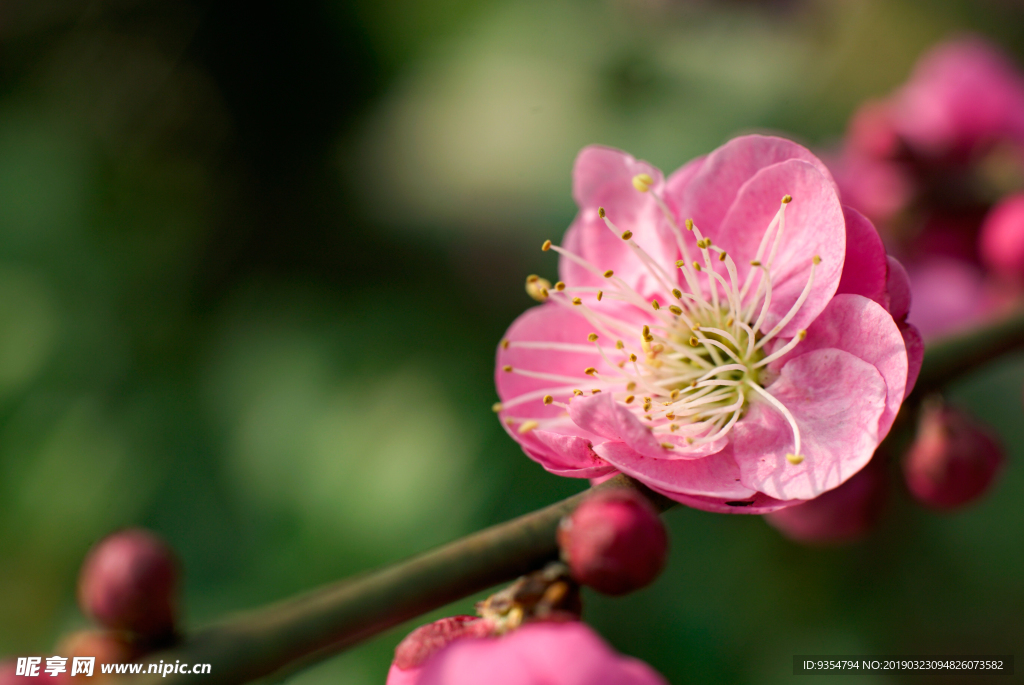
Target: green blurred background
254 262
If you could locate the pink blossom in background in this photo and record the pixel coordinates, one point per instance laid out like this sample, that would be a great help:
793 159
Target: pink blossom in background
534 654
744 362
963 95
926 162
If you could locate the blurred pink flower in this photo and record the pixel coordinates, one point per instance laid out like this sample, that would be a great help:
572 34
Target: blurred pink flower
535 654
963 95
1002 238
742 362
842 515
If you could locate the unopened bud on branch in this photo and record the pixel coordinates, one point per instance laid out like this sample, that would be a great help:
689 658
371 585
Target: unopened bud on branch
953 460
129 582
614 542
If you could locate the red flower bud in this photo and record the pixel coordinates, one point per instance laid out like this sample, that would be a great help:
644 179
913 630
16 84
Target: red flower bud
614 542
953 460
129 582
841 515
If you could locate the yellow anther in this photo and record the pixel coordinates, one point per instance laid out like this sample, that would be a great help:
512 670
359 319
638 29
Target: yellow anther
802 334
619 344
786 199
755 262
600 212
668 445
594 391
507 368
673 428
645 331
629 399
548 399
721 256
577 392
654 303
590 370
674 394
600 294
546 245
504 344
592 337
632 357
648 417
577 301
537 287
609 273
680 263
794 459
560 286
626 235
675 310
696 266
689 441
689 224
497 407
730 321
643 182
510 422
670 416
816 259
631 386
677 293
693 341
527 426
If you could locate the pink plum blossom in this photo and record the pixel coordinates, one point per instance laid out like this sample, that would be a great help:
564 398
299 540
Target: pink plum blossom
729 336
534 654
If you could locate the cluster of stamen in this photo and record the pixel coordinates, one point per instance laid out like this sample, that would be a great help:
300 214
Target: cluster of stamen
692 371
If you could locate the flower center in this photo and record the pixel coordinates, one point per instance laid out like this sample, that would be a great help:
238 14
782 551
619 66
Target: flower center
700 359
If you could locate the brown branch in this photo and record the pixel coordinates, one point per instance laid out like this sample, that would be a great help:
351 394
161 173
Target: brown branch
332 618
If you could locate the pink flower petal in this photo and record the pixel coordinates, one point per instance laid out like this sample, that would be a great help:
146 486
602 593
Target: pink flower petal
758 504
857 325
537 654
708 197
551 324
716 475
837 401
898 286
602 415
570 455
814 227
866 267
603 177
915 354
